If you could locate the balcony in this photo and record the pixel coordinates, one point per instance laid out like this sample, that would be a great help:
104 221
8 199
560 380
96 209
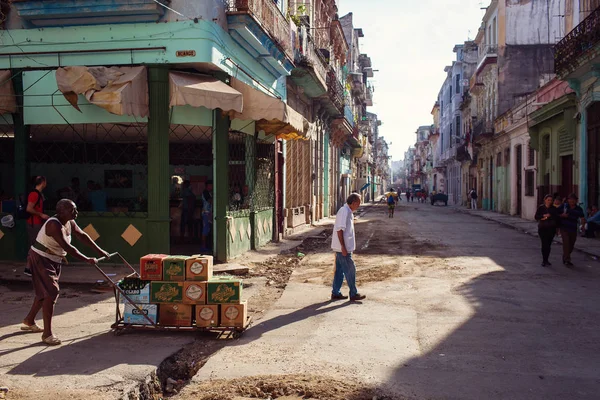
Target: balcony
358 86
369 99
487 55
310 72
41 13
335 93
349 115
261 28
581 41
483 129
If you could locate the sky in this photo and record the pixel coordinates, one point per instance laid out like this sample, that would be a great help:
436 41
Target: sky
410 42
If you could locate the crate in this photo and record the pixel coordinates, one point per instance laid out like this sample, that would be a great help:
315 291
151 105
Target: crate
199 268
175 315
151 267
207 316
133 316
234 315
174 268
225 290
136 289
194 292
166 292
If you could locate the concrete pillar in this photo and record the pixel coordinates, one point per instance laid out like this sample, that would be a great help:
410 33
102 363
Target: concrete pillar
220 144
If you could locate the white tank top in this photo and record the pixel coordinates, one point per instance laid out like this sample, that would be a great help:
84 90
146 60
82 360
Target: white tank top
58 253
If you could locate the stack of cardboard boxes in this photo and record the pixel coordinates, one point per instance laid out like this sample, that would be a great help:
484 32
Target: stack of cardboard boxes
181 291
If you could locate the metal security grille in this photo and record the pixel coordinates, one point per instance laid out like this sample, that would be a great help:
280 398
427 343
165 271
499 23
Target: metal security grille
7 159
251 173
101 167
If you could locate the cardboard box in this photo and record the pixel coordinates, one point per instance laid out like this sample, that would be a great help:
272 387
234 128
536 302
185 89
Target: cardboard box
234 315
207 315
194 292
136 289
133 316
174 268
151 267
224 290
166 292
199 268
175 315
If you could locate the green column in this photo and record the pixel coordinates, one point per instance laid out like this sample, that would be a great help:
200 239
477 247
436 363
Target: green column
220 141
158 160
21 162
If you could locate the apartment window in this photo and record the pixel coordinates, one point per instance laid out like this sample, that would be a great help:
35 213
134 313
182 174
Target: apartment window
442 109
458 84
546 147
529 182
450 95
499 160
494 38
458 126
530 156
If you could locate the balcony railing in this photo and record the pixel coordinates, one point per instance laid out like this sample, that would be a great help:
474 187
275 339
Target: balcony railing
487 54
269 17
576 43
483 128
335 90
349 115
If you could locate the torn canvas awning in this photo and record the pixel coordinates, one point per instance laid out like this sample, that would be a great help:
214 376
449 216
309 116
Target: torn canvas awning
203 91
8 102
119 90
270 113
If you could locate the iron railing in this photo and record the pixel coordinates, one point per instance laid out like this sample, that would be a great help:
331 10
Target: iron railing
269 17
335 90
489 50
349 115
311 57
482 128
581 39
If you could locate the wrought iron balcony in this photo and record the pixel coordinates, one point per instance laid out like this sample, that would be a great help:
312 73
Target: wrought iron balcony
578 42
261 27
311 67
487 55
349 115
335 90
482 129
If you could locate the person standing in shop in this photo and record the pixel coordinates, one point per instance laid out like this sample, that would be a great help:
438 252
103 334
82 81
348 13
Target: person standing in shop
35 208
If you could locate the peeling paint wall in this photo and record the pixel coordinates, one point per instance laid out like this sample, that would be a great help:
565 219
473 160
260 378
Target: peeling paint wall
534 21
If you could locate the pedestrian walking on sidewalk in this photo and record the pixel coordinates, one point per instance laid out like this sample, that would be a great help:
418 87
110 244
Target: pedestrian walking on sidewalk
391 202
343 243
547 216
473 197
35 209
46 258
570 215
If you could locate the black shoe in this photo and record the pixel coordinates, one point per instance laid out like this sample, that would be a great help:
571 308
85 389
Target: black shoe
544 264
358 297
27 272
569 264
548 263
338 296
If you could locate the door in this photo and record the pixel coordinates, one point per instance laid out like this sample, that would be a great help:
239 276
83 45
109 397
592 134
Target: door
519 179
593 154
566 187
491 207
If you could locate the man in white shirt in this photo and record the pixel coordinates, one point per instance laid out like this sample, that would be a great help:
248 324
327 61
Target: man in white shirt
344 243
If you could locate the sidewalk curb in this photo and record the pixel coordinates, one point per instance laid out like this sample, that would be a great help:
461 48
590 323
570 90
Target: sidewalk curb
462 211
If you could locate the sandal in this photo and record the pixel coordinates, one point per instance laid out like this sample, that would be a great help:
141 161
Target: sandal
32 328
52 340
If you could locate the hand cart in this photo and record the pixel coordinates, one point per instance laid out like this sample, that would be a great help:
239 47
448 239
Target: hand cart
120 326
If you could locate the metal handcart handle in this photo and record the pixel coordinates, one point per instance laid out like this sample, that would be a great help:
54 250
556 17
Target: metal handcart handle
116 286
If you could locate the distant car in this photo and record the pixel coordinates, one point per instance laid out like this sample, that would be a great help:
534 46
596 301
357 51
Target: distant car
439 197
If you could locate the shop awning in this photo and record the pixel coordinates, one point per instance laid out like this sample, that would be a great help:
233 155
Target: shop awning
203 91
271 114
8 102
119 90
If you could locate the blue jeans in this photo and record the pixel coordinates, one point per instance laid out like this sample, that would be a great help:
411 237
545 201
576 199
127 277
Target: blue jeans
344 266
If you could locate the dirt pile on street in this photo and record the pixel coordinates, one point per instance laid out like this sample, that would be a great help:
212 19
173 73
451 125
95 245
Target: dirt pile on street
290 387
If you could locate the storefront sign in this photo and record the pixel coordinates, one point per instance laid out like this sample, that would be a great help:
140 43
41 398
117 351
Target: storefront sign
185 53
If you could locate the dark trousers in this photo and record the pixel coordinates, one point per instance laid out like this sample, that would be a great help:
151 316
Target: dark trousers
546 236
591 230
568 239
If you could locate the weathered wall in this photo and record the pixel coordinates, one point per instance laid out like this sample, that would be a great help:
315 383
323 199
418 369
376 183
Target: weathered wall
531 22
519 71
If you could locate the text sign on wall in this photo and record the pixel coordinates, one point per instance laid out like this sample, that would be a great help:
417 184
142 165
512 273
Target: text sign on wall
185 53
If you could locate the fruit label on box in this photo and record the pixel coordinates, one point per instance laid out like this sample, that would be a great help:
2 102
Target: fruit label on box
232 312
167 292
223 294
207 313
197 267
194 292
174 269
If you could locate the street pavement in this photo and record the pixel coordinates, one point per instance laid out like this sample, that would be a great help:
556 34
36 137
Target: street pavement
458 307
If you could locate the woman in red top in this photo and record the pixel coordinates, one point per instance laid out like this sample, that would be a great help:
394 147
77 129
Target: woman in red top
35 208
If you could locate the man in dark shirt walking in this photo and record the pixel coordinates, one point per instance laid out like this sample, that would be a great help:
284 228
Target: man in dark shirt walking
570 215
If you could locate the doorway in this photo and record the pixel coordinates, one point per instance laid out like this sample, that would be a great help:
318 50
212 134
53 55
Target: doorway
566 187
593 154
519 180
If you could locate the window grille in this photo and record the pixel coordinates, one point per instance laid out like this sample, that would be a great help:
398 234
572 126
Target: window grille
530 156
529 182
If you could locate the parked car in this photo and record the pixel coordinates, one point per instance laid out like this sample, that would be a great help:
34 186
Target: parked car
439 197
